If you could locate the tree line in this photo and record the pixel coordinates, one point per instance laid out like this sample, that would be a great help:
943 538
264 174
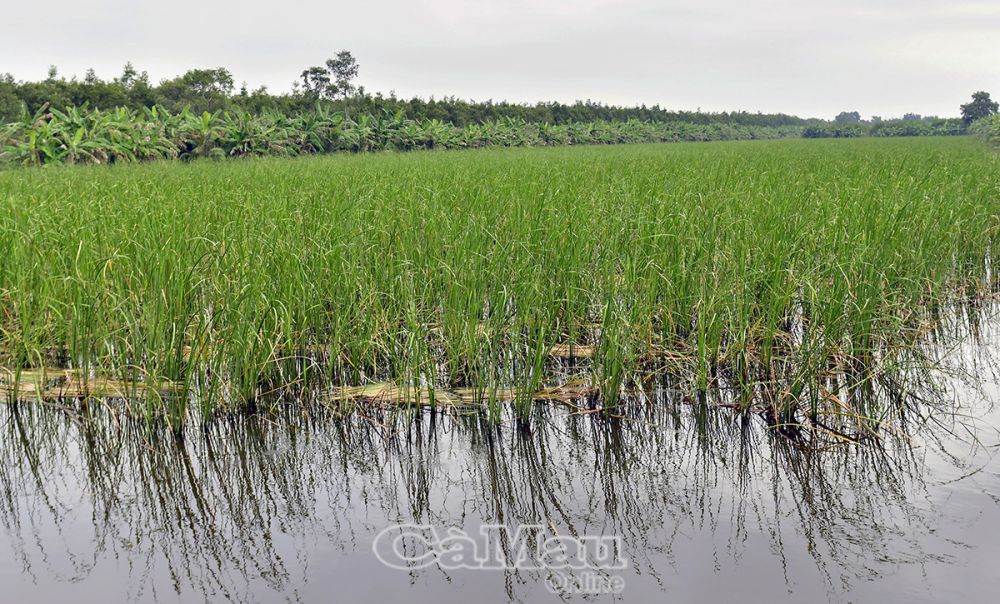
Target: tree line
980 110
202 113
76 136
330 86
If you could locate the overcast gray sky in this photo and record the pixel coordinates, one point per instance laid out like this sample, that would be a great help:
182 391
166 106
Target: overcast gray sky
807 57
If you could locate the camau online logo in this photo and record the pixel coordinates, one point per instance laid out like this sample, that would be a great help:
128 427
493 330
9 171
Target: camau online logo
581 564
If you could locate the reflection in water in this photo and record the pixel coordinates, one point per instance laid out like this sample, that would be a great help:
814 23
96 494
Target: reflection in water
708 503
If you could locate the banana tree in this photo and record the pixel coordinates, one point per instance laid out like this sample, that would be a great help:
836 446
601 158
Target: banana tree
359 135
200 135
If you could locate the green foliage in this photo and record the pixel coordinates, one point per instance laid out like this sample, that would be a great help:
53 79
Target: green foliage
198 91
333 81
848 117
835 131
981 106
916 126
80 135
332 86
987 129
775 269
901 127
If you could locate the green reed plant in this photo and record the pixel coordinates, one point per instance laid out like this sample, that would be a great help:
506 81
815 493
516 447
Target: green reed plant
789 273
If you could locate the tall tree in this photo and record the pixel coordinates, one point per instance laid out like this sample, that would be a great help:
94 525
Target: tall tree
199 89
333 81
848 117
315 82
129 75
981 106
343 69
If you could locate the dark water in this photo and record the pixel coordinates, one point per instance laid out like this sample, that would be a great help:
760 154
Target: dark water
706 506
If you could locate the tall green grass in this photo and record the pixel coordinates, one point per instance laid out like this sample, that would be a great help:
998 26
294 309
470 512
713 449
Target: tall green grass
792 274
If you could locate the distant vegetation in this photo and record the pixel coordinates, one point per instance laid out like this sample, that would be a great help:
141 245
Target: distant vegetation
901 127
201 114
332 88
988 129
78 136
849 124
980 107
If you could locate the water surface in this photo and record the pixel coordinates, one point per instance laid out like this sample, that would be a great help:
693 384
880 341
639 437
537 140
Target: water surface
708 505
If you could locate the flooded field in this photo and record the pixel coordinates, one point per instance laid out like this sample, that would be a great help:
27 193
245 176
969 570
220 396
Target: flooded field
754 372
702 504
210 287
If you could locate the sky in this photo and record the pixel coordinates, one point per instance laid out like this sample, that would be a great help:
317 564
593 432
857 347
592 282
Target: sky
804 57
